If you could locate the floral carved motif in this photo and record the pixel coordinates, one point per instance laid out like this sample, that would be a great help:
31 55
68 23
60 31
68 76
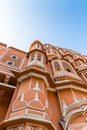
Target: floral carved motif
16 128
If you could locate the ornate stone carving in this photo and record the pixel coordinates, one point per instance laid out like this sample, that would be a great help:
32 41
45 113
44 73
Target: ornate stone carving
16 128
46 104
35 127
28 127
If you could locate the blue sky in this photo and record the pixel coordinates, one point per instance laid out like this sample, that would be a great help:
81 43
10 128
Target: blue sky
61 23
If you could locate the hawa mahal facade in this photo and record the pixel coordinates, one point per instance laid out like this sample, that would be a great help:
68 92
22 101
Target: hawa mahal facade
42 89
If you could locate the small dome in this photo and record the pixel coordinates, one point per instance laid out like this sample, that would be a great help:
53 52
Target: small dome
36 45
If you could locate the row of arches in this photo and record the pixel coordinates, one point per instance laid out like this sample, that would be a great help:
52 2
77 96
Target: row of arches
55 63
66 54
63 61
69 55
58 66
65 65
62 66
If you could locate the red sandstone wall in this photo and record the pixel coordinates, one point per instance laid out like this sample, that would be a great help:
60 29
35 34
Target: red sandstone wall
55 107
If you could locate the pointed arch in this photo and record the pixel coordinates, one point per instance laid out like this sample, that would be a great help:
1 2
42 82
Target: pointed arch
57 66
67 66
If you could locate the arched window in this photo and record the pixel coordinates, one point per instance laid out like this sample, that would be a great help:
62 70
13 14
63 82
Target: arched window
80 62
39 58
70 58
56 66
48 51
54 51
38 46
45 46
32 57
67 67
61 51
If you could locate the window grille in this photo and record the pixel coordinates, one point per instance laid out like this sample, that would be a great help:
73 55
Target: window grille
32 57
57 66
67 67
39 58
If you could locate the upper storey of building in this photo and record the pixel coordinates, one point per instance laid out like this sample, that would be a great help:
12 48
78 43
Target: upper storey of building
59 64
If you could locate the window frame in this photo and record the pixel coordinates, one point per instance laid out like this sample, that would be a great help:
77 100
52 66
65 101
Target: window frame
57 66
67 67
16 57
10 62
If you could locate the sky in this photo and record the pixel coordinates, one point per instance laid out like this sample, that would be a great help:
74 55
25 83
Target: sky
61 23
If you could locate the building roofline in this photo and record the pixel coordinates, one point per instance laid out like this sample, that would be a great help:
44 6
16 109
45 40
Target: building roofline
3 44
17 49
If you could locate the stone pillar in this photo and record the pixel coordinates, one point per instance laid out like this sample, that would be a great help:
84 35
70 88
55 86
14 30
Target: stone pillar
32 99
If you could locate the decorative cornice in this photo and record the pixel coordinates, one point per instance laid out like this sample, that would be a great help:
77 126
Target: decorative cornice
73 86
26 118
7 86
27 72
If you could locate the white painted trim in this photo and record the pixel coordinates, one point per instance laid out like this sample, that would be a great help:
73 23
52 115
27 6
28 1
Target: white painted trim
31 117
68 75
9 64
72 87
51 89
15 56
17 68
34 108
35 75
18 109
15 126
76 104
12 67
62 81
7 49
67 118
78 124
4 72
36 63
34 124
21 64
7 85
30 81
74 96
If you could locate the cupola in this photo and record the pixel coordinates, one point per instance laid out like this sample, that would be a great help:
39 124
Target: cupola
36 45
37 56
